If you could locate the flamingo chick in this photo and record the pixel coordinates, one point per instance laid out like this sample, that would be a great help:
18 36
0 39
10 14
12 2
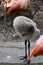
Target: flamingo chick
26 29
38 49
15 4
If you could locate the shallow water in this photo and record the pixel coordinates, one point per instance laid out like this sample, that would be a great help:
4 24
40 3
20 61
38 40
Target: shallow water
10 52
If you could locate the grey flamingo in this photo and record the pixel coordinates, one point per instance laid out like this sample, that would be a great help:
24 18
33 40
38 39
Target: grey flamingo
26 29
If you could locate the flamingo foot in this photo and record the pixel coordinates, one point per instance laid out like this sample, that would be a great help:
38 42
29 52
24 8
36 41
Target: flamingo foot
27 63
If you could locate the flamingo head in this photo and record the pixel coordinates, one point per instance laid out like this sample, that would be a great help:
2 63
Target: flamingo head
37 50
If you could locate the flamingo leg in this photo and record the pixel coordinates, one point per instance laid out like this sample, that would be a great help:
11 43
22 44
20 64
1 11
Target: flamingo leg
28 62
25 57
25 48
28 47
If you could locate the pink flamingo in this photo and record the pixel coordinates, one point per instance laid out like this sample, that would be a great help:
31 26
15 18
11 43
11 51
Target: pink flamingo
15 4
